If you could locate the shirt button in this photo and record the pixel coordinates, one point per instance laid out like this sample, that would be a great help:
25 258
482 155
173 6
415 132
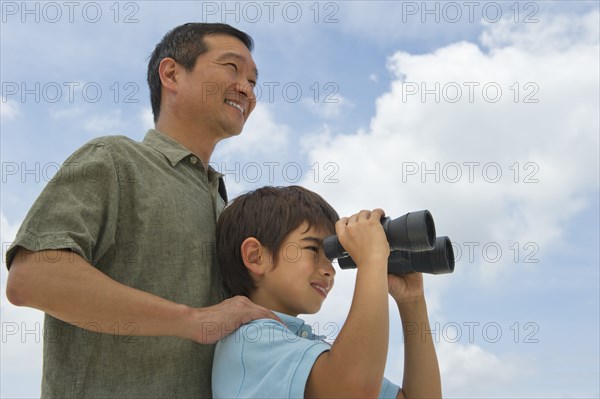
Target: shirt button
304 334
193 160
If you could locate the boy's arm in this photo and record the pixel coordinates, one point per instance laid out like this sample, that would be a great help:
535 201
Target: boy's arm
76 292
355 364
421 370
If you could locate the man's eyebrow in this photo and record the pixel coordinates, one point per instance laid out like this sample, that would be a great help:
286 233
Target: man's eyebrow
229 54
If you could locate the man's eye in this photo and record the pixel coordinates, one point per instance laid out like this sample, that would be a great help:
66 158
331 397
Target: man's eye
234 66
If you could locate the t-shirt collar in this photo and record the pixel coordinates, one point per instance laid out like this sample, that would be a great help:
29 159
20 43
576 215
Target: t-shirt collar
297 326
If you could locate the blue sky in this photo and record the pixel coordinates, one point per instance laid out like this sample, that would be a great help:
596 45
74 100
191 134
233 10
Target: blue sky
485 113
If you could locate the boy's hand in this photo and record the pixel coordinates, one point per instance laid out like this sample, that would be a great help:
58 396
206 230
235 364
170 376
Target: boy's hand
406 286
362 236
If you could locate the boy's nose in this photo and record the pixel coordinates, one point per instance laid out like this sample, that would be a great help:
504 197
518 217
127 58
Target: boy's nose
327 268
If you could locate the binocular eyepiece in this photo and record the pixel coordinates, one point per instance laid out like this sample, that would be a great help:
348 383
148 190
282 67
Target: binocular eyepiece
413 246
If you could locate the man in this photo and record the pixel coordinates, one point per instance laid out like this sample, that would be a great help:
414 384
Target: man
118 248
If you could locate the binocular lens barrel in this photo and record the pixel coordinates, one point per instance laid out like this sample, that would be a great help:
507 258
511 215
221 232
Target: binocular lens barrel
439 260
413 232
413 246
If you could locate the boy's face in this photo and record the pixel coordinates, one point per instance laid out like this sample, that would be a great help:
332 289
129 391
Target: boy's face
299 279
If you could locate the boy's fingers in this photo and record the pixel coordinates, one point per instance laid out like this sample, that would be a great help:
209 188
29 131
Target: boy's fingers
378 212
364 214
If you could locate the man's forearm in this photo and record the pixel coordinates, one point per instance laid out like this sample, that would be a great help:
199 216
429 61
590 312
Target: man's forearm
76 292
421 369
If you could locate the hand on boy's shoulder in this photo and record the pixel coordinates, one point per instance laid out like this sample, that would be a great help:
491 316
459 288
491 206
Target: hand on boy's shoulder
224 318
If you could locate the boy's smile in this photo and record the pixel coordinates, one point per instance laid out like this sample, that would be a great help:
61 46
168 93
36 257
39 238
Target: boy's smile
298 279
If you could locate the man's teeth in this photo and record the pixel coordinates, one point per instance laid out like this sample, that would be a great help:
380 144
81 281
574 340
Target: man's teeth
235 105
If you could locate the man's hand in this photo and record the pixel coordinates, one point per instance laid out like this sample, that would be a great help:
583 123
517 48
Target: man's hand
218 321
76 292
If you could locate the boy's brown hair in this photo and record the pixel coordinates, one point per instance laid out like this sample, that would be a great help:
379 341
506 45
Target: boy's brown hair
268 214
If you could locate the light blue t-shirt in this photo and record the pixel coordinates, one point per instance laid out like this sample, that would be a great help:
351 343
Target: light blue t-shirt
265 359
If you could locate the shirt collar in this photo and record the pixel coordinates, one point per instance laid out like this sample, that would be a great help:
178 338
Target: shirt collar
167 146
175 152
297 326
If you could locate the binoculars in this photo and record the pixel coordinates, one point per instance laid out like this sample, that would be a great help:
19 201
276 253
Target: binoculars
413 246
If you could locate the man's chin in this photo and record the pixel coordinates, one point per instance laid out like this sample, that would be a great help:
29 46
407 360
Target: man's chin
235 133
232 131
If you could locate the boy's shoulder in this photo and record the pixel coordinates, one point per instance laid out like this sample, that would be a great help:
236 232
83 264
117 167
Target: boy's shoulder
265 356
289 330
256 331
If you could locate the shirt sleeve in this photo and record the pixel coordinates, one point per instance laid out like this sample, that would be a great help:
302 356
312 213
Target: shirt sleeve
389 390
77 209
264 359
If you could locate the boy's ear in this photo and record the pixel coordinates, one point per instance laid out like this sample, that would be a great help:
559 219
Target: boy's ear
253 256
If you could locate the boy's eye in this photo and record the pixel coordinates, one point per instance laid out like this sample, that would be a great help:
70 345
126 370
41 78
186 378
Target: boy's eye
316 249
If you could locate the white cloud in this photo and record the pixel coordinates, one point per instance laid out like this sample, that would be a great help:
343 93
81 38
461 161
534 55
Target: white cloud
147 118
7 229
329 107
110 122
492 167
9 109
470 371
262 135
257 156
539 38
66 112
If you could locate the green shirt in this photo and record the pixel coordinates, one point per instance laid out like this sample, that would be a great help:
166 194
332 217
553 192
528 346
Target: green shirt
144 214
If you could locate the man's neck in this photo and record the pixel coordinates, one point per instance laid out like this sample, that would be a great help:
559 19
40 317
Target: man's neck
202 145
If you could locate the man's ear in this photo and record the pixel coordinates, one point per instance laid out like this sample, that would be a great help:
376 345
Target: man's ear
253 256
167 72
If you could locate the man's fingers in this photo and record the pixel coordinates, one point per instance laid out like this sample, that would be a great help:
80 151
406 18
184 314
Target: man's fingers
250 311
265 313
275 317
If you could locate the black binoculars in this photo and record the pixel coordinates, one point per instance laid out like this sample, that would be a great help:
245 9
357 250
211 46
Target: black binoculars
413 246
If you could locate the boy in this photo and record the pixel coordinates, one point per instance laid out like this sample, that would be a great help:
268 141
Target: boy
270 248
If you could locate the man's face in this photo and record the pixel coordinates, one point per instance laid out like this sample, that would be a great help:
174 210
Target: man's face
219 92
299 279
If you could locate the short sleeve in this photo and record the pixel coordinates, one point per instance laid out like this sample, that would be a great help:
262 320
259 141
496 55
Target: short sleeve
78 208
264 359
389 390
